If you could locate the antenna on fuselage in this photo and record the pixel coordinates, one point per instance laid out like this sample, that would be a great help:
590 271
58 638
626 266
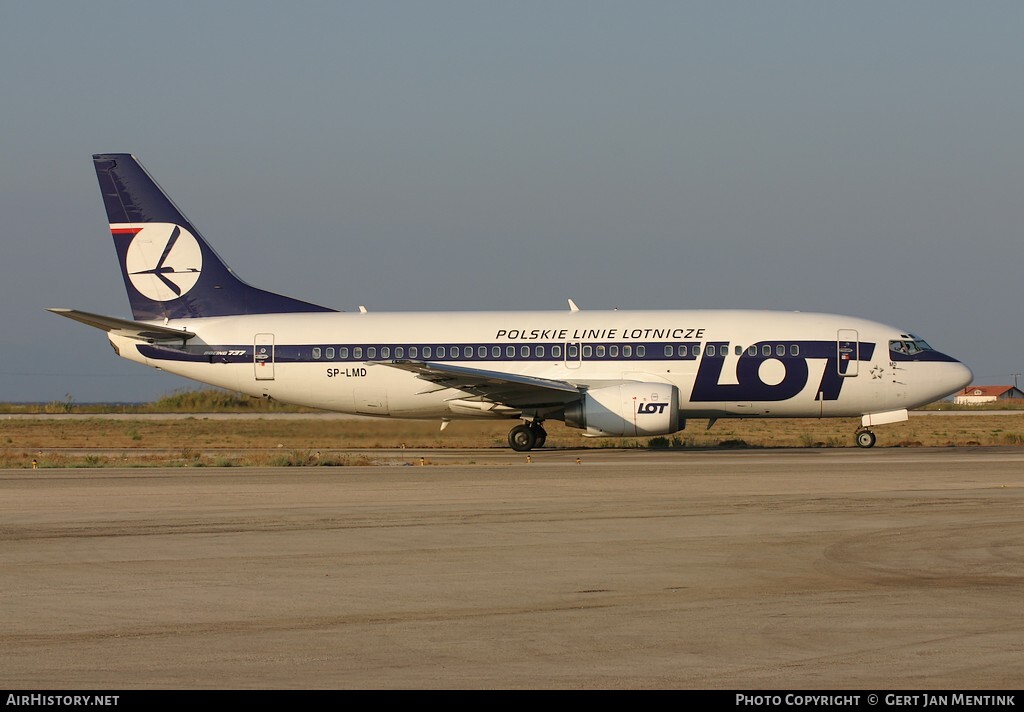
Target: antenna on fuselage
573 307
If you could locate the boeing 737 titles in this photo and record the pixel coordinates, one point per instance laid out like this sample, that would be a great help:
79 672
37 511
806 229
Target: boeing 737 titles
609 373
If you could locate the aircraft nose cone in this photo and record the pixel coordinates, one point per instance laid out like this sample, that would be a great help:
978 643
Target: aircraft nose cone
960 376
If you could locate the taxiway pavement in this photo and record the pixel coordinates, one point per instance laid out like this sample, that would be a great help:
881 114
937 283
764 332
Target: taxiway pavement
797 569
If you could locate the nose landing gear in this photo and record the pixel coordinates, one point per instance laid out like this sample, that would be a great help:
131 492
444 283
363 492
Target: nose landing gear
527 436
865 438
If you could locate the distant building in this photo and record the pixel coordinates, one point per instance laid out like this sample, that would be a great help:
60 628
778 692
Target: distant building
973 395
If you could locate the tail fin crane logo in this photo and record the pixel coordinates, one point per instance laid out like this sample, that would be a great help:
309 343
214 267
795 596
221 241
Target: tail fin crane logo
164 261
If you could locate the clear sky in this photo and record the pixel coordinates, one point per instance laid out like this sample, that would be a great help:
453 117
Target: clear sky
861 158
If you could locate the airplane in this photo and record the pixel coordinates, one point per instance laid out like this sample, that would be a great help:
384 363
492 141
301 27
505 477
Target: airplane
610 373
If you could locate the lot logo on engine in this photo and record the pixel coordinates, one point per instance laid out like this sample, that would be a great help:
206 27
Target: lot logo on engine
648 408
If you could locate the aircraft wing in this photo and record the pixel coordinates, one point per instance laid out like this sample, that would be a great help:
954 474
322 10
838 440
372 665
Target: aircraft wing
125 327
507 388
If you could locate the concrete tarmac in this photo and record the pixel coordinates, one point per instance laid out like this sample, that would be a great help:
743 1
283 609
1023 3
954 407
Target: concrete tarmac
787 569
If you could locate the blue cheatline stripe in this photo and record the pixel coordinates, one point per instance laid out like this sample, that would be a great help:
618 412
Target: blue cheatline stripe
448 352
621 352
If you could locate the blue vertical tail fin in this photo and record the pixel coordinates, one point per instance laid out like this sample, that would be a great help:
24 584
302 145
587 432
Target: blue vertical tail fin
169 270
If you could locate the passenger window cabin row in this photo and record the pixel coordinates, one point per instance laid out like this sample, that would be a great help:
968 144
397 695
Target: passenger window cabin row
510 352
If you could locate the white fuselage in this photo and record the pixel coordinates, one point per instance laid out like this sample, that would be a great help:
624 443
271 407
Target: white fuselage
724 362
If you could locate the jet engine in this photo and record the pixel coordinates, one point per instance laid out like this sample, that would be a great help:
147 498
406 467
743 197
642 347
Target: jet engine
628 409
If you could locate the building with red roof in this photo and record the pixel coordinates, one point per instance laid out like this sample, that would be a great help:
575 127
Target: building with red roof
973 395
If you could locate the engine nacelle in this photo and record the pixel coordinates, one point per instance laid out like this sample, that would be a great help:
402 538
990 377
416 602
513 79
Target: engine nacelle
628 409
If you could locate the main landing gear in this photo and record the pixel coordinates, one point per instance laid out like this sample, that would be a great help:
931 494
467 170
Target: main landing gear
527 436
865 438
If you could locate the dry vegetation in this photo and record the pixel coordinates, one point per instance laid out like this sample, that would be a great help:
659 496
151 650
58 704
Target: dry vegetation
201 441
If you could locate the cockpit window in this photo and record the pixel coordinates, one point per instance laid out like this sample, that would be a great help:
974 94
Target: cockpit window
909 347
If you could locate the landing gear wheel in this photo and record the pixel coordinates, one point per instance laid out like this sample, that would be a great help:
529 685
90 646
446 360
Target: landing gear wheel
540 434
865 438
522 438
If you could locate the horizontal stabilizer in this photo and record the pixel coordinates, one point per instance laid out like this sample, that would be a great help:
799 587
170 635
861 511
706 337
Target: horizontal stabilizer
124 327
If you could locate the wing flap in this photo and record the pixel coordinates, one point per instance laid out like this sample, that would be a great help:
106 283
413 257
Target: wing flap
506 388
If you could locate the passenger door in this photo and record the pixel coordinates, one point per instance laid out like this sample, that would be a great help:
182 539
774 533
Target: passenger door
263 356
847 352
